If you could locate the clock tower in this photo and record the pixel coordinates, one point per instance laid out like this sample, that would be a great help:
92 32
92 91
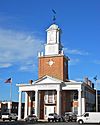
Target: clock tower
53 45
53 63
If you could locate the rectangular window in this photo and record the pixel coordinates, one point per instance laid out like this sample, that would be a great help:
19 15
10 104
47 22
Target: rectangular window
50 96
76 110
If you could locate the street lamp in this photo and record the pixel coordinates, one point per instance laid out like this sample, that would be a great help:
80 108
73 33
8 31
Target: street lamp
95 78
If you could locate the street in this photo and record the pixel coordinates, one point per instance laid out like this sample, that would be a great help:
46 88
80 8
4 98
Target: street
39 123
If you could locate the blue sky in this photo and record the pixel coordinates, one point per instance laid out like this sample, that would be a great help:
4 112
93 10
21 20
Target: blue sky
22 35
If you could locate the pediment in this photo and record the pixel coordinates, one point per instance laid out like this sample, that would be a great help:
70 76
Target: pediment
48 80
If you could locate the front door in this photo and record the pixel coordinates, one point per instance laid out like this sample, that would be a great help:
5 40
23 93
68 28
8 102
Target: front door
48 110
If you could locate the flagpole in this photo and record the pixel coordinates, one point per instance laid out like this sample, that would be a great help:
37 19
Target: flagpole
10 101
96 98
10 81
11 92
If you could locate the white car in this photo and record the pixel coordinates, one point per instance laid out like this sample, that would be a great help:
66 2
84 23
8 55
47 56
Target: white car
89 117
9 116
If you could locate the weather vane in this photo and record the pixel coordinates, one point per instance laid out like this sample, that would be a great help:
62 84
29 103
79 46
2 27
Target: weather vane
54 15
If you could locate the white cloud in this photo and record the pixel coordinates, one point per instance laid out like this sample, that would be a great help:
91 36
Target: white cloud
17 47
74 61
5 65
97 62
29 66
75 51
98 81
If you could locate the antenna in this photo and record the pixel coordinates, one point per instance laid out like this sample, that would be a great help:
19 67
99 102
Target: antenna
54 15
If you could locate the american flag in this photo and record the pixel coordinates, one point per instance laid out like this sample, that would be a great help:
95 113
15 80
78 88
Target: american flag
8 80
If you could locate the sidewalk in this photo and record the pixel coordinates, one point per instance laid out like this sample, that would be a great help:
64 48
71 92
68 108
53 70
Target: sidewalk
43 120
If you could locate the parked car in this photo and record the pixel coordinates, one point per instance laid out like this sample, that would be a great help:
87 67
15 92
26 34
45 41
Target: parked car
9 116
70 116
0 115
54 117
89 117
32 118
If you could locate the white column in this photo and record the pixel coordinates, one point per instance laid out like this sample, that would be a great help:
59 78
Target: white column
10 106
79 103
36 103
83 105
26 105
58 102
53 96
29 104
58 37
19 106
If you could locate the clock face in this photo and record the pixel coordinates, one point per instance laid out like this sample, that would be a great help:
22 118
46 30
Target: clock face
50 62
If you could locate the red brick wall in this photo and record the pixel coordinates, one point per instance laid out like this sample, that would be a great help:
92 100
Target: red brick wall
42 104
57 69
66 102
63 102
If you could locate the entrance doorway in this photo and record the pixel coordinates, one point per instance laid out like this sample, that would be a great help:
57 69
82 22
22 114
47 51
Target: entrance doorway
48 110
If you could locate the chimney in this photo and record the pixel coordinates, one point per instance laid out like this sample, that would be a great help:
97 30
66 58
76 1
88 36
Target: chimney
30 81
86 80
89 82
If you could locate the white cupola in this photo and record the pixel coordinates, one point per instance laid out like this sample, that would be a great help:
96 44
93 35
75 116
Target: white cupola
53 46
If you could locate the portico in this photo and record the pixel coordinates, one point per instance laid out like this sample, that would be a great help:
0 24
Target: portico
37 88
52 97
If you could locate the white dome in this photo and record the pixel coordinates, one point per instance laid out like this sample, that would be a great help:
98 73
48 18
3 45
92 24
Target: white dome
53 27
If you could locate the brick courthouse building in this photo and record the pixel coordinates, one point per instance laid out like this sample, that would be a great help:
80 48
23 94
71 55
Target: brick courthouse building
54 91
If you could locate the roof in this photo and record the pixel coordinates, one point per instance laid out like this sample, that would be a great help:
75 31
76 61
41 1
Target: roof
48 79
53 27
73 82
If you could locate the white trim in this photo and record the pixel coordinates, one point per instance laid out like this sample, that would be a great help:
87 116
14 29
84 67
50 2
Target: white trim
48 79
19 106
83 105
36 103
26 105
79 103
29 106
58 102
